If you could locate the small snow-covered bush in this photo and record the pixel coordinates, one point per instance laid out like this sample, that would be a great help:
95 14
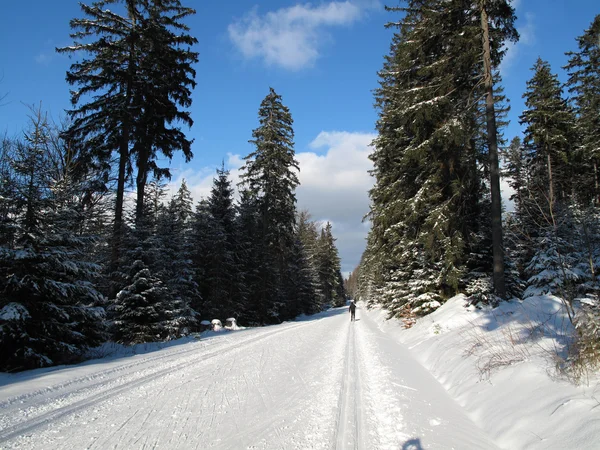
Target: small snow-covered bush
231 324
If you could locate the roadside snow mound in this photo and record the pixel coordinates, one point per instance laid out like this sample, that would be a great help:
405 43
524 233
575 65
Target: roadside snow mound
500 365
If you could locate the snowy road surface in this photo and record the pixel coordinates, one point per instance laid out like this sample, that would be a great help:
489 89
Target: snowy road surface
323 383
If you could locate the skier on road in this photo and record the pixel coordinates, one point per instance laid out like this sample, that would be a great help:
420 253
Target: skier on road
352 310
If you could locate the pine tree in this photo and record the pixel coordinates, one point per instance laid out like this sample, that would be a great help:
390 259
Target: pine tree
137 76
329 268
224 297
549 137
141 309
168 76
515 172
302 284
8 192
430 158
145 309
504 12
309 240
250 254
108 76
200 237
50 310
269 174
175 267
584 84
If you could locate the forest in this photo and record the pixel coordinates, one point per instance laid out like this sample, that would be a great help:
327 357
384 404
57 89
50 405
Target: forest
92 247
437 225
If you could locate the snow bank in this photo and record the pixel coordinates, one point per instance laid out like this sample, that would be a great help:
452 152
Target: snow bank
500 366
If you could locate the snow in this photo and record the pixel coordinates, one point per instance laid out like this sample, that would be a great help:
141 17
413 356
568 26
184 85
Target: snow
321 382
500 366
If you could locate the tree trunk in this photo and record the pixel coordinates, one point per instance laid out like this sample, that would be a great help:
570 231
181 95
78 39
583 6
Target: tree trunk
141 180
596 190
497 246
118 225
124 145
550 181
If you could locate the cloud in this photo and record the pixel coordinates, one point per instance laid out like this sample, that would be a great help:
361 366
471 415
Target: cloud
526 38
291 37
200 181
334 185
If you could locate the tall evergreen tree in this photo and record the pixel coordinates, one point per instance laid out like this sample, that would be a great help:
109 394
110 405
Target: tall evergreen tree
175 267
250 253
505 13
329 269
138 76
108 75
223 274
50 310
549 137
429 159
309 239
168 77
145 309
584 85
270 176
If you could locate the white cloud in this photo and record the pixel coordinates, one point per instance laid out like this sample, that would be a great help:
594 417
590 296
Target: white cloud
334 185
291 37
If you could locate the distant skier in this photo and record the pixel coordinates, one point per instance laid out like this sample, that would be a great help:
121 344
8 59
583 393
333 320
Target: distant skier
352 310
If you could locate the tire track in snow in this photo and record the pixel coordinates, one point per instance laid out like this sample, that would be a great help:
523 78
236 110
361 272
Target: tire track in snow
72 406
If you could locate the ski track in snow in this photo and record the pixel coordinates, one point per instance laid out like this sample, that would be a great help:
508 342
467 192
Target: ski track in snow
318 384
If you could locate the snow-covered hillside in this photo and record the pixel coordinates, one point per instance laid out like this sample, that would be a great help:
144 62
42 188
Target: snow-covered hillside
318 383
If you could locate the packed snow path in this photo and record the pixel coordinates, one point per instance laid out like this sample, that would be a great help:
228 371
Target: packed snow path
323 383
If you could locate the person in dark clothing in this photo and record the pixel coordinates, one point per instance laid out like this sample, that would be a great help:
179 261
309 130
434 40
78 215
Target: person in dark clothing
352 310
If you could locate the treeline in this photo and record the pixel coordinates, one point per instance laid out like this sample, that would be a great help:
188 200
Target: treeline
81 264
431 233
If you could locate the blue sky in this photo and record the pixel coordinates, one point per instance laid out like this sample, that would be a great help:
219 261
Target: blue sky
322 57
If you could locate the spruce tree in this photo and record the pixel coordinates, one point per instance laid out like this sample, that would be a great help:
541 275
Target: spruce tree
201 233
269 174
168 76
224 297
430 159
141 309
135 78
50 310
107 78
548 138
309 240
145 309
175 267
329 268
250 254
584 85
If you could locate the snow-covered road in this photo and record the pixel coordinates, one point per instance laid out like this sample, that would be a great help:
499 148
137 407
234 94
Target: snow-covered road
323 383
